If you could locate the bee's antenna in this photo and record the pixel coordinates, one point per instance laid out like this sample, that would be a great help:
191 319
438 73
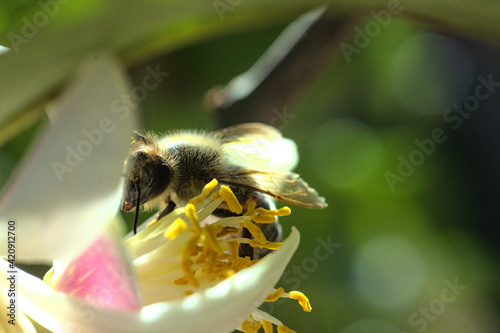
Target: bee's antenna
137 206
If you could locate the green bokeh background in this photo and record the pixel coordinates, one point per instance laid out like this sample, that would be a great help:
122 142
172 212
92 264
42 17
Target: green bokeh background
395 249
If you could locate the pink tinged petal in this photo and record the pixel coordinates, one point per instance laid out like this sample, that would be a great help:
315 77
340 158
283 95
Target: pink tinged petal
100 275
68 186
215 310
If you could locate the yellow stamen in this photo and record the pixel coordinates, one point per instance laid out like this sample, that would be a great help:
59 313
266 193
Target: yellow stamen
283 211
190 212
268 326
303 301
231 200
274 296
251 327
246 324
227 231
186 268
243 263
181 282
266 245
233 249
251 208
204 193
255 231
189 248
211 238
284 329
175 228
215 195
264 219
210 260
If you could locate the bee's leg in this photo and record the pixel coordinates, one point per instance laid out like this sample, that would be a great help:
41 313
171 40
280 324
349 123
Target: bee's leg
167 210
246 250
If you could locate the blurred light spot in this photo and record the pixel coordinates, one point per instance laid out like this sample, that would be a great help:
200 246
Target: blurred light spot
191 301
242 278
346 152
389 272
372 326
153 311
431 72
219 290
4 49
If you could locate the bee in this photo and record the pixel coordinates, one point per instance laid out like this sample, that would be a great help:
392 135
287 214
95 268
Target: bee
253 159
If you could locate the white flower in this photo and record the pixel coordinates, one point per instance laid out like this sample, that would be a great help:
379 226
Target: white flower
180 274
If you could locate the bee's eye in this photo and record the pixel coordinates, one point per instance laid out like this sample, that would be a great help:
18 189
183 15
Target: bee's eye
161 175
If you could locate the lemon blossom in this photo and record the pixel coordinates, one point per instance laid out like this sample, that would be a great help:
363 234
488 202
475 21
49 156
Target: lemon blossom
180 274
192 271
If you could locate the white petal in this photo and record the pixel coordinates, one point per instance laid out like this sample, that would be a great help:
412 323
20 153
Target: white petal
216 310
69 184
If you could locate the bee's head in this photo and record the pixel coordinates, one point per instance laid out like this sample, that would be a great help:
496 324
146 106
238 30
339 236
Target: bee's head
148 175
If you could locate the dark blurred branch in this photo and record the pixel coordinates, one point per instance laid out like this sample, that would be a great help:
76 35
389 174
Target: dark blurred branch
290 65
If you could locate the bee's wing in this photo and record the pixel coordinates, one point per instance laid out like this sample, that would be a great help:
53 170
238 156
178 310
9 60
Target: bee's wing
285 186
255 146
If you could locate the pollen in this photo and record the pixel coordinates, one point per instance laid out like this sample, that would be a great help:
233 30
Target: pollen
266 245
255 231
302 299
283 211
181 282
264 219
284 329
274 296
251 327
230 199
205 192
175 228
268 326
190 212
251 208
210 234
